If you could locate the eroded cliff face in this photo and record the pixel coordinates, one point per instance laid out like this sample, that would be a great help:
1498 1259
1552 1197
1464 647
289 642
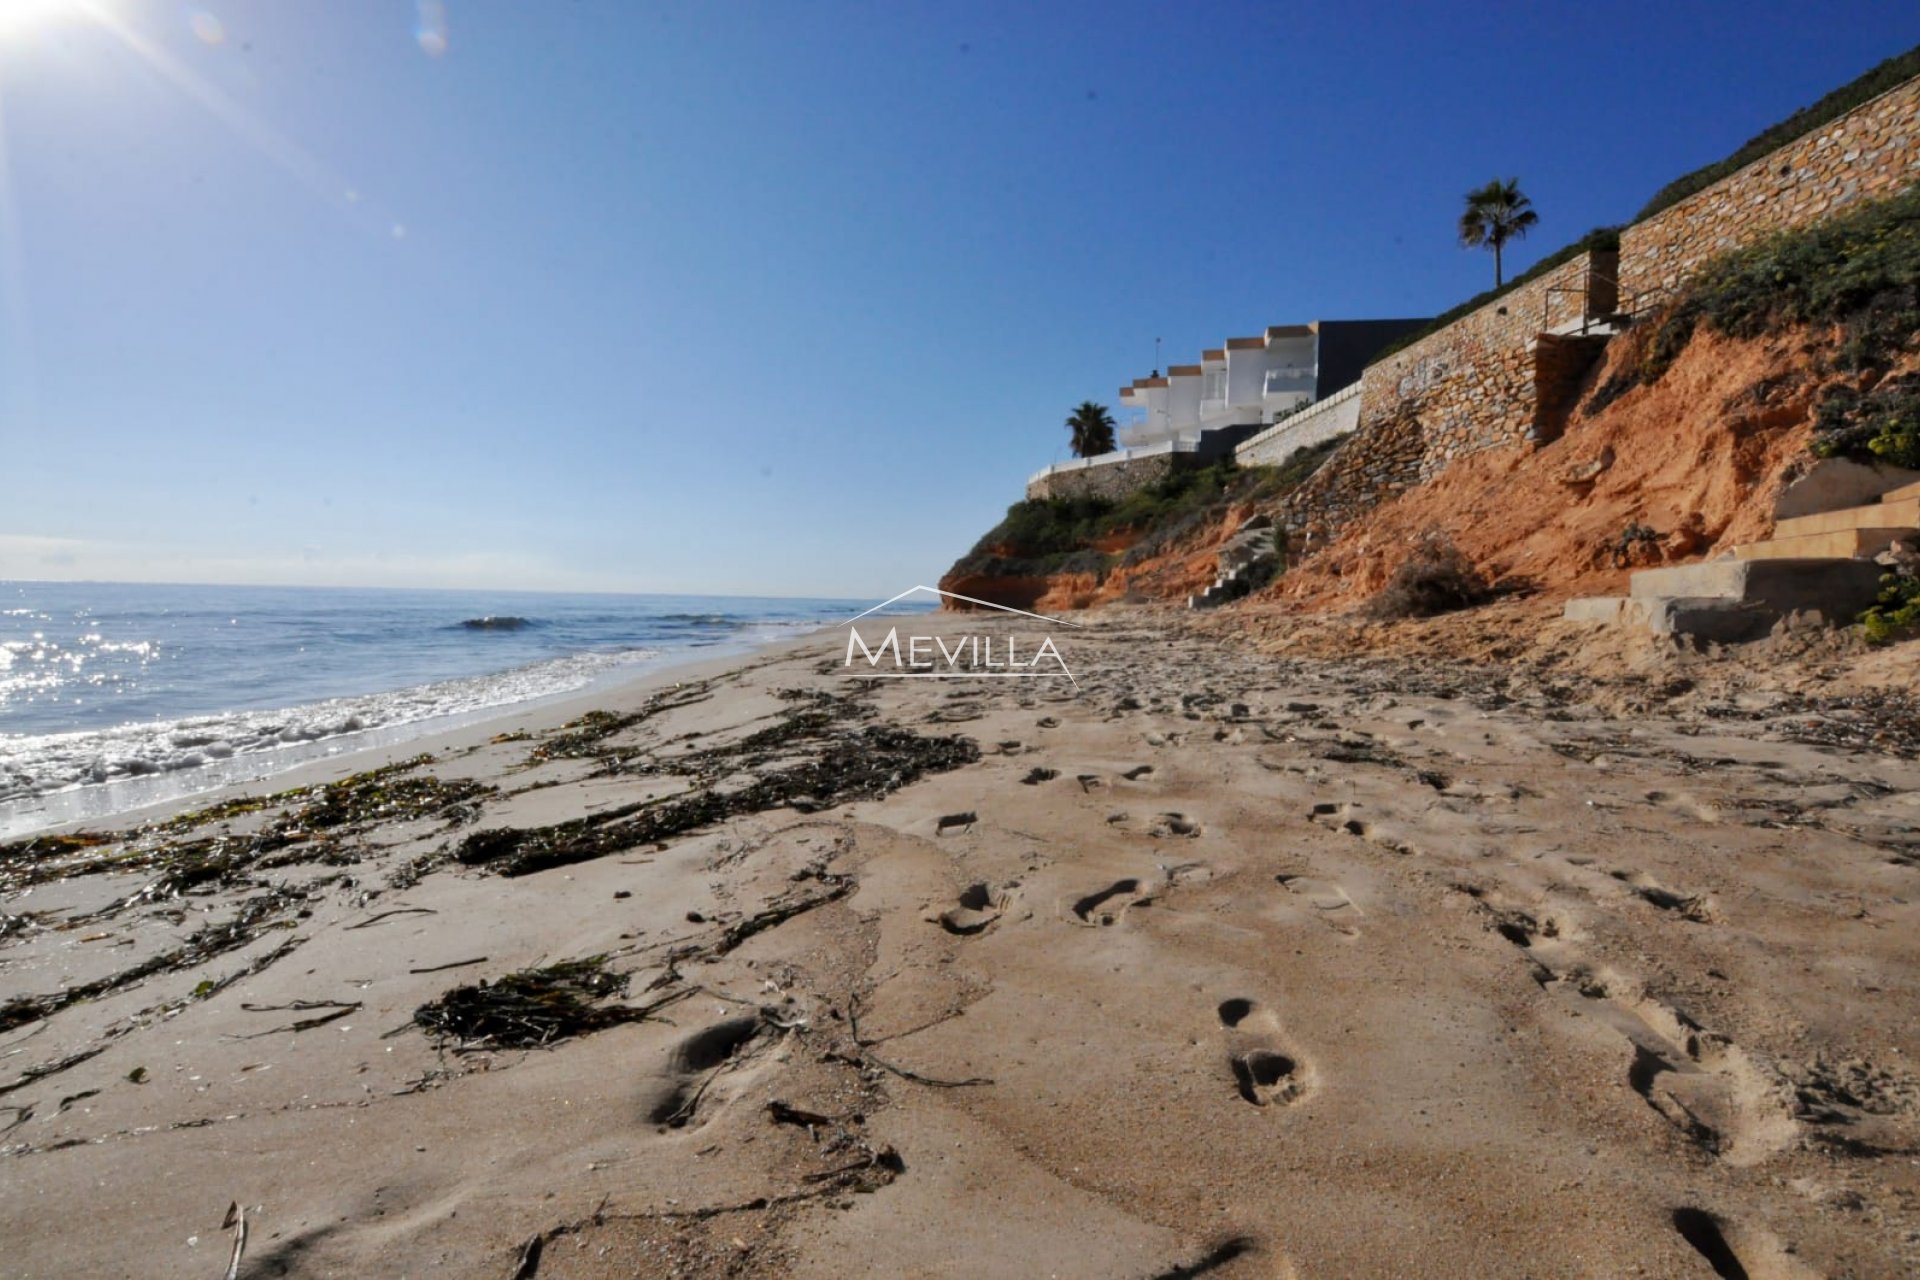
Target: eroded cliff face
1186 565
1680 469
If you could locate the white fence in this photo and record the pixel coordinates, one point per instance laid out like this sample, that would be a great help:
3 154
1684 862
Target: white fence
1337 414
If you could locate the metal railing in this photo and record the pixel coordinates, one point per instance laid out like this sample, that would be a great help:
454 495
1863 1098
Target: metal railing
1631 305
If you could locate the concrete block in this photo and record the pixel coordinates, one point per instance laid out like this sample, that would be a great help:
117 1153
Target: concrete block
1720 621
1837 588
1841 544
1898 514
1833 483
1607 610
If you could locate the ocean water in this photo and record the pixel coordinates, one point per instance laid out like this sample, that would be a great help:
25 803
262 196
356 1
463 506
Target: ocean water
113 695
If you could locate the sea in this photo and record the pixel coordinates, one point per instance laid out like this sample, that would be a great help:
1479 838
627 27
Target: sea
116 695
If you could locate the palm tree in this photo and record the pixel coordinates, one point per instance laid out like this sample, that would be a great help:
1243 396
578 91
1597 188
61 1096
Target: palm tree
1496 213
1092 428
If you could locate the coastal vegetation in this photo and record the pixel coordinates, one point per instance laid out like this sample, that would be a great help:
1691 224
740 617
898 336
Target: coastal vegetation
1436 577
1090 427
1495 214
1857 275
1887 75
1894 71
1598 239
1041 536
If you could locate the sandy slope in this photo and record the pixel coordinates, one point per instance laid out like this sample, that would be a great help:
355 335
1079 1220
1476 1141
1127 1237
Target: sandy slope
1277 967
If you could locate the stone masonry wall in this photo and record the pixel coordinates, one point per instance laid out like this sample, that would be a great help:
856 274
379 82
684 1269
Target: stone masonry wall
1110 480
1466 388
1872 151
1475 384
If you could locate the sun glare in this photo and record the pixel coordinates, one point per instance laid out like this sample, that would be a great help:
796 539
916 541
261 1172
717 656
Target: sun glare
19 16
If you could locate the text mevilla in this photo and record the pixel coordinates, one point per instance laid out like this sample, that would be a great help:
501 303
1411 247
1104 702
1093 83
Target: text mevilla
964 656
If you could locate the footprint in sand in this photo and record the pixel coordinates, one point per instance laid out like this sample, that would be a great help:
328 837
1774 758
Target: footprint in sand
1038 774
978 908
1107 905
955 822
1264 1073
1174 824
1694 907
1341 817
1328 900
692 1066
1138 772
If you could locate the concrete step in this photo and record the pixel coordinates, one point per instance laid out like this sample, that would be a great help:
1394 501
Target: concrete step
1905 493
1841 544
1904 513
1837 588
1722 621
1711 618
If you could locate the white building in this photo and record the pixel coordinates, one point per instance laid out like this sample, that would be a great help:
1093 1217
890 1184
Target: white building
1251 382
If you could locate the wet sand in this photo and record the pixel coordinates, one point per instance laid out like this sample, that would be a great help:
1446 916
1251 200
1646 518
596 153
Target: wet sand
1242 966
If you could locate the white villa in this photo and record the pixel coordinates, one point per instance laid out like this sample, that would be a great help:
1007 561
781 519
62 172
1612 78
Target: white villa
1251 382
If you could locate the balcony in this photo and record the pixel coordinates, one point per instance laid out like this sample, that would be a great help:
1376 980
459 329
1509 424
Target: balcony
1291 378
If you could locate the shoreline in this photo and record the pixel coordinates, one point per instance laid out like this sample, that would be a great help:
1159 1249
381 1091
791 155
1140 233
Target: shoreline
116 800
1375 965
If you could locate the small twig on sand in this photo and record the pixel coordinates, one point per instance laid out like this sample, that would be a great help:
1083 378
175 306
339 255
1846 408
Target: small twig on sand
236 1222
455 964
867 1054
305 1024
397 911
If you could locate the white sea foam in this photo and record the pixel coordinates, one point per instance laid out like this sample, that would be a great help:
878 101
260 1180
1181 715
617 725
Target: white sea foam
42 764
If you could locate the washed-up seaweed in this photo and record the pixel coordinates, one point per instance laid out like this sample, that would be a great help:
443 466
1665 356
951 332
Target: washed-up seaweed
587 736
253 917
838 764
378 795
533 1007
1876 720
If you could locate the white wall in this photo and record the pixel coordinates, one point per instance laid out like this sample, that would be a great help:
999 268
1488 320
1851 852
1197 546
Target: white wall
1337 414
1183 402
1246 377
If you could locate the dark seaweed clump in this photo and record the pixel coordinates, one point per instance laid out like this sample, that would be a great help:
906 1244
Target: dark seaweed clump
378 795
528 1009
863 763
814 755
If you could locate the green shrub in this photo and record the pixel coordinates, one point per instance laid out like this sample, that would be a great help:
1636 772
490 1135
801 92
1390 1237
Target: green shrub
1860 271
1437 577
1896 612
1894 71
1883 423
1056 535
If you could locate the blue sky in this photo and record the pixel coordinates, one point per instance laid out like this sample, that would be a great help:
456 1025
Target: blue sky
783 299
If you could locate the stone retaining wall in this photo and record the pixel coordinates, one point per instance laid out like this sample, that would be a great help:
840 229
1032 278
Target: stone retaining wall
1109 480
1872 151
1488 381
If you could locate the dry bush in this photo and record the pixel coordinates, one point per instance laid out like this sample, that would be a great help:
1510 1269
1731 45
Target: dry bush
1436 577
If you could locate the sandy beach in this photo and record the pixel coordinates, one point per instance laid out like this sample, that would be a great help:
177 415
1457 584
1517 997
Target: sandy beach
1234 960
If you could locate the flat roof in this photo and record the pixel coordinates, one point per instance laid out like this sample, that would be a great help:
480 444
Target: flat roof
1183 371
1291 330
1218 353
1245 344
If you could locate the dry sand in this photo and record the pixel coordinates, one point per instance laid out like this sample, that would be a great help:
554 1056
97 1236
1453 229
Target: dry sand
1246 966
